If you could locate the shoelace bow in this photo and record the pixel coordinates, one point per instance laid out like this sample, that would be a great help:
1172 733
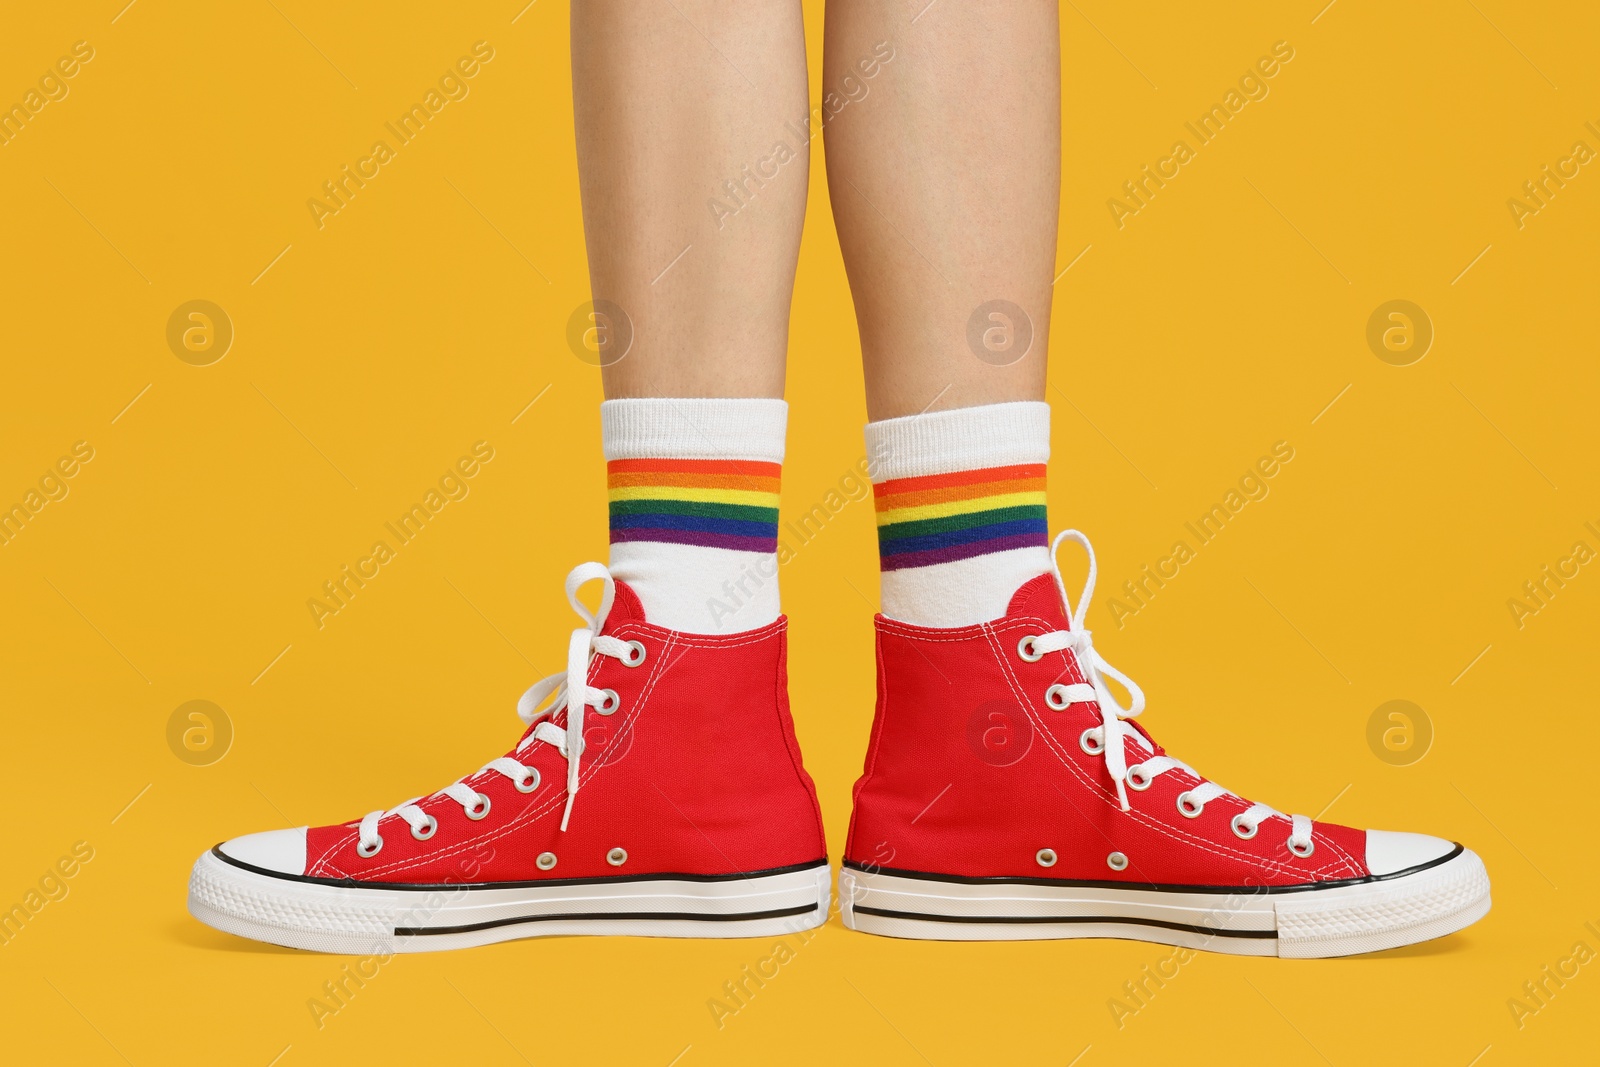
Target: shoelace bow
570 688
1114 718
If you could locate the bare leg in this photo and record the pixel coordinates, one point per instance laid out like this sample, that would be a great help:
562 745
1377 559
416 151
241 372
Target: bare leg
945 179
664 118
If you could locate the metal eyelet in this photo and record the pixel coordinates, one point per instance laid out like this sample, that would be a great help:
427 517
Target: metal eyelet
609 702
1311 846
1117 861
617 857
1089 743
529 782
1241 829
1187 807
545 861
422 834
635 655
361 849
1045 857
1056 698
480 809
1136 779
1025 649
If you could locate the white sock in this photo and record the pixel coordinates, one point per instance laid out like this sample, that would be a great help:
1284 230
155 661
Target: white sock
961 509
693 490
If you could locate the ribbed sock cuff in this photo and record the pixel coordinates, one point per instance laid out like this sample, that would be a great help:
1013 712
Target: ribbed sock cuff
694 428
961 439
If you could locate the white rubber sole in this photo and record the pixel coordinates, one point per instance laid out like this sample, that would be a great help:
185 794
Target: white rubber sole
326 916
1340 919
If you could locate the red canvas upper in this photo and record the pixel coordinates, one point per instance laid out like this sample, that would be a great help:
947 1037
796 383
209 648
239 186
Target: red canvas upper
970 773
697 772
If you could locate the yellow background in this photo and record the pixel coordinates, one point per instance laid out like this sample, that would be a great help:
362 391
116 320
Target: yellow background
425 316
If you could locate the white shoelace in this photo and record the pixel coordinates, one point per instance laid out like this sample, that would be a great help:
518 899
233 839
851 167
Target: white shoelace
1108 737
571 686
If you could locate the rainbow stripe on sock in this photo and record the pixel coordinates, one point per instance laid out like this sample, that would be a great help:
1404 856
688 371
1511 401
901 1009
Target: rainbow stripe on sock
946 517
712 503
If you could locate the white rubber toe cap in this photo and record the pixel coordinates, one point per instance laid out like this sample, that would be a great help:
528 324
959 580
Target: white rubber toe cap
1389 852
283 851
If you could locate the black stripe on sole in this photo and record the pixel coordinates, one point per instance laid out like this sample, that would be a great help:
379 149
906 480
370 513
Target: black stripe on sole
778 913
452 887
1024 920
1153 887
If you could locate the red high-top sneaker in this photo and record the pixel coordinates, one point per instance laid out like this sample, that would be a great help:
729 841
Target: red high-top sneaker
661 792
1007 795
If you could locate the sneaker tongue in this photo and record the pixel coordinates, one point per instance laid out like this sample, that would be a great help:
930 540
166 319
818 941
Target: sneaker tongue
1039 598
625 607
